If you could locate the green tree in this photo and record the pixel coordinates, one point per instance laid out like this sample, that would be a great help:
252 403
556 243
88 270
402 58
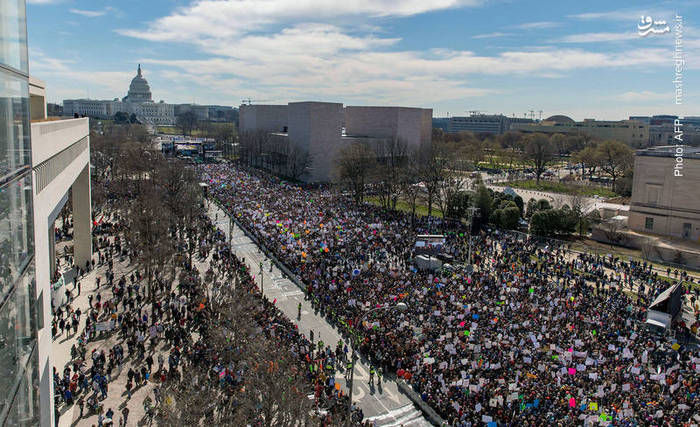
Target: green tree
615 158
510 217
483 201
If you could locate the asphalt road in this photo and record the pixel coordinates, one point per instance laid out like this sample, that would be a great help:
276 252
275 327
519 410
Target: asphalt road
384 405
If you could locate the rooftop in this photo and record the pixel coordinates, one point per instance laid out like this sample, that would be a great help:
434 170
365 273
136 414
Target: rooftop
670 151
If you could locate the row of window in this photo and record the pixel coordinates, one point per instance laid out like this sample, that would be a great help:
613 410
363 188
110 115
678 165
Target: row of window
19 373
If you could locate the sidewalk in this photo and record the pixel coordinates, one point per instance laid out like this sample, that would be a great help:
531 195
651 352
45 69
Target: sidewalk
116 395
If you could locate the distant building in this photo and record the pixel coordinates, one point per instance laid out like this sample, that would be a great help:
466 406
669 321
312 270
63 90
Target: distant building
320 129
483 123
662 202
633 132
200 111
54 110
441 123
138 101
661 129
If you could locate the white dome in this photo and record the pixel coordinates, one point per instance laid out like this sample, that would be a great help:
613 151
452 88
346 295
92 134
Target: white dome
139 91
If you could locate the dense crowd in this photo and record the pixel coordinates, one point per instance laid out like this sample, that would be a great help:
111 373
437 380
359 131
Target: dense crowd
172 325
534 336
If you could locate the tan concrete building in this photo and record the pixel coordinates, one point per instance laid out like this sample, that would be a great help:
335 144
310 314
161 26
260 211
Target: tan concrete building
633 132
278 133
665 194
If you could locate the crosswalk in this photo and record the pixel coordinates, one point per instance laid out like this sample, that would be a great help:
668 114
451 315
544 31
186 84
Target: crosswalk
407 416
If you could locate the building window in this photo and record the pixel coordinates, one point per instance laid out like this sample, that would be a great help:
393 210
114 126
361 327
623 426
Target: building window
649 223
15 151
13 35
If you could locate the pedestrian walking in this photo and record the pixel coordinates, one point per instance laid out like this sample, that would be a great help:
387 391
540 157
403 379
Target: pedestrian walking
125 415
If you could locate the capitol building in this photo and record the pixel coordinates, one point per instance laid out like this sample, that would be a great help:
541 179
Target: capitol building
138 101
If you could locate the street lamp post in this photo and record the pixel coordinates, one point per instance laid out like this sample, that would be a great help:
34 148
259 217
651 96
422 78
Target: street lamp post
401 307
262 290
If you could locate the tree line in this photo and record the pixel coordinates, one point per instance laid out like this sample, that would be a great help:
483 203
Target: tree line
159 199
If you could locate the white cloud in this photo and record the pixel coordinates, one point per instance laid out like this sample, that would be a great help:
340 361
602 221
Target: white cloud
599 37
220 19
629 14
408 77
644 95
88 13
96 13
491 35
537 25
62 76
43 1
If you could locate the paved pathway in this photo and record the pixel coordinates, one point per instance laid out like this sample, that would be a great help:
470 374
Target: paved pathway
385 405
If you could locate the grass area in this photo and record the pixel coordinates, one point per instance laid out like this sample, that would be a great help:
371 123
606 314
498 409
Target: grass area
421 210
560 187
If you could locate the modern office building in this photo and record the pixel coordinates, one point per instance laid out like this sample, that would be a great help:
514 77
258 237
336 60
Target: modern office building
483 123
633 132
39 163
19 352
663 200
320 129
441 123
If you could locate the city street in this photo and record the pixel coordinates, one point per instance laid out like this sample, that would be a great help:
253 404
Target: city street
385 405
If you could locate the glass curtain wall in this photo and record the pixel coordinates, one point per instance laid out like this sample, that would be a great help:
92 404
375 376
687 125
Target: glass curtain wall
19 376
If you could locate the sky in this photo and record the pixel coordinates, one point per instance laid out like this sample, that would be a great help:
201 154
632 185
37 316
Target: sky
582 59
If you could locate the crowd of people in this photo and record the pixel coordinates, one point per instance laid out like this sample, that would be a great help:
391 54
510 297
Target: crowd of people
133 330
534 335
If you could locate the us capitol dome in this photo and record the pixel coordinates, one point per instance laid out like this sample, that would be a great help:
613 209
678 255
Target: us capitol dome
139 91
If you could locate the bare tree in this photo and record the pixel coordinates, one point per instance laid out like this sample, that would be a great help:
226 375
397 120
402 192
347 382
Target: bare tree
147 234
354 166
611 230
581 211
391 162
263 382
432 171
186 122
409 187
297 161
539 152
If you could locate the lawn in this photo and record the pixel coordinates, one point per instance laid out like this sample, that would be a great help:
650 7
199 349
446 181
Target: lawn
560 187
421 210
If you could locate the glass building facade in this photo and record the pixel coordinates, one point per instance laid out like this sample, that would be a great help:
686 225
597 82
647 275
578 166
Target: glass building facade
19 375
